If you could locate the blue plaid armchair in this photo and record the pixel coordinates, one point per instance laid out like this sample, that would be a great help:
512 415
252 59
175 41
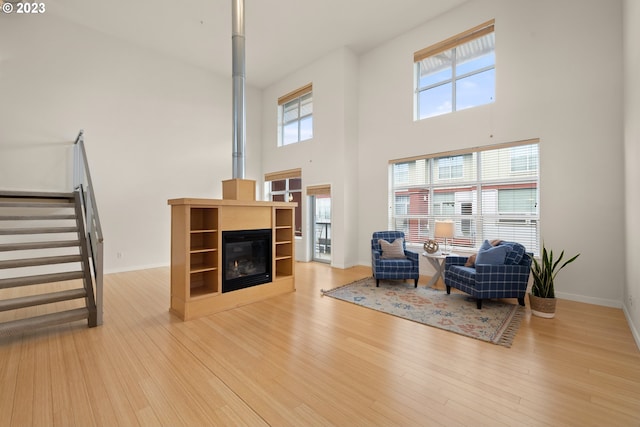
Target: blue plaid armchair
483 281
393 268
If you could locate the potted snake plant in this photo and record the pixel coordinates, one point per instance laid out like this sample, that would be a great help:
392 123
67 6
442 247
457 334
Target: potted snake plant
542 296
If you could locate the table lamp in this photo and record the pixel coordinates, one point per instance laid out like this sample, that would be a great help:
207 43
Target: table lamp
444 229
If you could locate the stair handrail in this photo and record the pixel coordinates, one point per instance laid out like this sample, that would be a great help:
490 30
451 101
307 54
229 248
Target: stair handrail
82 183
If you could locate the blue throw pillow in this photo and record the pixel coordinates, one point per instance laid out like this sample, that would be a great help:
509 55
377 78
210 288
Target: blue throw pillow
485 245
494 255
515 255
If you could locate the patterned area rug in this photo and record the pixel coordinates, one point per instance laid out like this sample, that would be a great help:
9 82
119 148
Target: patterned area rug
496 323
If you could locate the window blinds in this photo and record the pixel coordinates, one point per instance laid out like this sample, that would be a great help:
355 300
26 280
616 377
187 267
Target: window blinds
319 190
286 174
489 192
462 38
308 88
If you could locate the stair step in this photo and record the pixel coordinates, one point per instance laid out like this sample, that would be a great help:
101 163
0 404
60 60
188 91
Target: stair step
15 282
37 230
30 262
38 245
33 204
17 326
35 217
33 300
35 194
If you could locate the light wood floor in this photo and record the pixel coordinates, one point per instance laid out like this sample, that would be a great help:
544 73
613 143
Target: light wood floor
305 360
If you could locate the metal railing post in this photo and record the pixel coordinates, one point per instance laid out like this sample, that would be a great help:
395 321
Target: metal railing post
99 284
93 230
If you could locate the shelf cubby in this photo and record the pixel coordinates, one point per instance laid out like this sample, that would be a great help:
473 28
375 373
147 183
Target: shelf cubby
284 267
203 251
203 283
204 260
284 218
284 250
204 219
203 241
284 235
284 242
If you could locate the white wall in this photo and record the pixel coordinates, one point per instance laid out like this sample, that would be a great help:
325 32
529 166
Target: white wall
632 160
330 156
551 86
155 129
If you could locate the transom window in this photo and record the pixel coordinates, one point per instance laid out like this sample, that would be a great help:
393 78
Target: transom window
487 192
456 73
295 116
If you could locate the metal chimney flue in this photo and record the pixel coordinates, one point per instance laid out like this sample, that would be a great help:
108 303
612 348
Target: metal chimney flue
238 188
238 69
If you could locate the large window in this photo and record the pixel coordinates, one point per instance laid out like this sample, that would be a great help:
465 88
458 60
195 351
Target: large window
286 186
489 193
456 73
295 116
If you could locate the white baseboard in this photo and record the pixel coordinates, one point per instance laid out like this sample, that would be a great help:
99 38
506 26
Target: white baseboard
590 300
634 330
134 268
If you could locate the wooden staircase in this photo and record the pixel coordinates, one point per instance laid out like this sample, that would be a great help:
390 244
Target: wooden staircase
45 278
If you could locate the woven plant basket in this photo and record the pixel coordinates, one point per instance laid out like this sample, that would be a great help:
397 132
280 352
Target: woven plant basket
542 307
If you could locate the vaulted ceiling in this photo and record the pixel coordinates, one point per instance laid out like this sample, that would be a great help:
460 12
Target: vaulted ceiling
281 35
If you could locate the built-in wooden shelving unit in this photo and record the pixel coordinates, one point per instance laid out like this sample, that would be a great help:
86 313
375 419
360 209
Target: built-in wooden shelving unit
196 253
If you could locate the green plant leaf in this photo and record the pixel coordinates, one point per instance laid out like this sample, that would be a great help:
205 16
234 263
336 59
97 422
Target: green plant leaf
545 271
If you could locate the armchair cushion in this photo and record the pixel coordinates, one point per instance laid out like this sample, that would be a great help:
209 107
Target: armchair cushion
393 250
471 261
494 255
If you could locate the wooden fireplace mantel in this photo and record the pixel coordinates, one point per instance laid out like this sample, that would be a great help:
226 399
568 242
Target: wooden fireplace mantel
196 252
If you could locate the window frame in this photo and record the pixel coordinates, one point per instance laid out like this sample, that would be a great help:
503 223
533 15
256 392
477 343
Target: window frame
478 212
288 194
450 46
297 99
450 164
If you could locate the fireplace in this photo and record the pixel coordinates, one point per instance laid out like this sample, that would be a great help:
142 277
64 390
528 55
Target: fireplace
246 258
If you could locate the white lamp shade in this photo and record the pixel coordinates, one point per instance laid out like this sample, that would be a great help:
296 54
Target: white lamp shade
444 229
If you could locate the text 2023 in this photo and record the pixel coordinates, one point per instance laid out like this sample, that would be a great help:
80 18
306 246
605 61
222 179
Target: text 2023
30 8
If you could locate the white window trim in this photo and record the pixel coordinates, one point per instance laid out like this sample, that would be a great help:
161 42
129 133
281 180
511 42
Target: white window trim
450 44
295 95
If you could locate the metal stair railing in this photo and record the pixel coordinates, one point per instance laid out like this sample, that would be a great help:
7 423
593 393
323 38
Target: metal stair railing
93 230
